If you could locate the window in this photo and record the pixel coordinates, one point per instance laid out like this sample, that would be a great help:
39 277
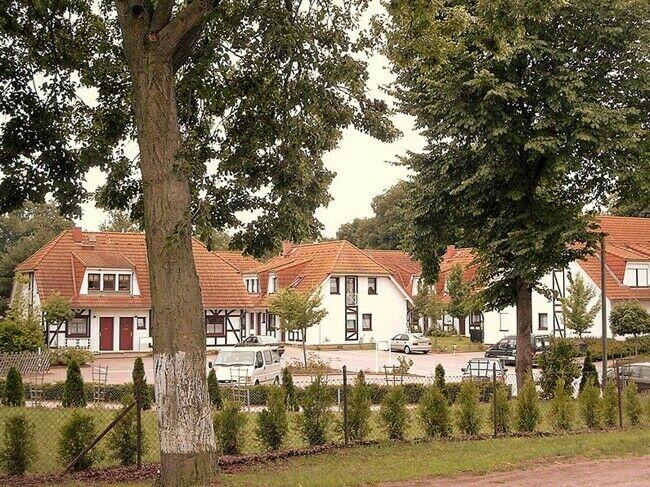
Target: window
351 324
259 363
215 326
124 283
372 285
503 321
271 325
542 321
367 322
637 276
273 284
78 327
108 282
93 282
267 357
252 285
334 285
141 323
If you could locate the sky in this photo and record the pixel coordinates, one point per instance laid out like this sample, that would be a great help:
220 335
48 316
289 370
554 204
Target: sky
364 166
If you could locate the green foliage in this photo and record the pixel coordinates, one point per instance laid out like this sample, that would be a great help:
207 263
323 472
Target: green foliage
272 422
229 427
434 413
289 390
22 232
393 413
589 372
359 413
14 393
558 363
56 309
20 329
315 420
74 394
632 404
469 414
214 391
119 221
503 414
590 406
298 311
577 314
65 356
77 433
123 439
18 451
428 304
141 392
610 404
439 378
562 408
527 410
461 302
387 228
630 318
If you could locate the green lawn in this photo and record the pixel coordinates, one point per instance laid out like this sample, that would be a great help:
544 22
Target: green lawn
446 344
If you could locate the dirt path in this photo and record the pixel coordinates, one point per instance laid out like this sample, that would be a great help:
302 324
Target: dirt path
619 472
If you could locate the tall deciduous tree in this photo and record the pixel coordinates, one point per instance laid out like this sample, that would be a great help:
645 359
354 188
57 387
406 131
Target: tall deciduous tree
576 312
531 111
460 296
630 318
298 311
231 106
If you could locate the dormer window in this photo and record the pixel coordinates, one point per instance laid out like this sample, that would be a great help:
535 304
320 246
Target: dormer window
124 283
109 282
273 283
94 282
252 285
637 275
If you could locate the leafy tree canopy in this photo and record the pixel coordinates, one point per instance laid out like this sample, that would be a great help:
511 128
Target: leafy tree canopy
531 111
22 232
577 314
630 318
120 221
265 92
388 228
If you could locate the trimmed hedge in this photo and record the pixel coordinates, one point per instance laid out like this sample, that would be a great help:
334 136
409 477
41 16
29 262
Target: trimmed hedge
615 348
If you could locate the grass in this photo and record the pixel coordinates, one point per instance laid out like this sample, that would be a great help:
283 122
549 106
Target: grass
462 344
398 462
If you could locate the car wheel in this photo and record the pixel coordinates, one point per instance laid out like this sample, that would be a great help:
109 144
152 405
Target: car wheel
407 349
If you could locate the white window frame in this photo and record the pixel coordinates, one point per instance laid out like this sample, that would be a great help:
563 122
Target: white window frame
632 275
503 320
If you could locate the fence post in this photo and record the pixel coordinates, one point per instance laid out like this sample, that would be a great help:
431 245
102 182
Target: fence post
494 397
618 392
138 420
345 405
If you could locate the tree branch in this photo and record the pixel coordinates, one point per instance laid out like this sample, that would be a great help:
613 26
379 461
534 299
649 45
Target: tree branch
162 15
192 15
186 46
133 17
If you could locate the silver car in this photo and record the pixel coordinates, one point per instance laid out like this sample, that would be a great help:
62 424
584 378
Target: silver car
410 342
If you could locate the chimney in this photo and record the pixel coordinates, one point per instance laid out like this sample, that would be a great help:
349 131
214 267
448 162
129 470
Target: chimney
77 235
286 248
451 250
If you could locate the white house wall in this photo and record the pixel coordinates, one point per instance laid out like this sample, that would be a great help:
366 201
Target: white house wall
141 338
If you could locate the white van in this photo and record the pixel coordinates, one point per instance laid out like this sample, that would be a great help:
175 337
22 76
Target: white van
247 365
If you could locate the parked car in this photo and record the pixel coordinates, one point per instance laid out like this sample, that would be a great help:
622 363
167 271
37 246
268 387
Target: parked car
247 365
482 369
635 372
410 342
262 340
506 348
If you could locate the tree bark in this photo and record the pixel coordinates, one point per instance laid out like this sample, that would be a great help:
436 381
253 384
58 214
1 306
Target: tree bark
524 359
461 326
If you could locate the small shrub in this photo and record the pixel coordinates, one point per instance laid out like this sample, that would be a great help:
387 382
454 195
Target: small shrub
289 388
439 379
527 408
76 434
214 391
14 389
74 394
65 356
610 405
589 372
315 420
469 414
123 439
590 408
229 424
562 408
272 422
404 366
19 448
359 409
434 413
393 413
502 406
558 363
140 390
632 404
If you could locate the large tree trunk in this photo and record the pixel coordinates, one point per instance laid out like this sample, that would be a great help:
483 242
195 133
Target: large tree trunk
187 443
524 359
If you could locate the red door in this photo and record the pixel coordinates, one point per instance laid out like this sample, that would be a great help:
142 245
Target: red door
106 333
126 333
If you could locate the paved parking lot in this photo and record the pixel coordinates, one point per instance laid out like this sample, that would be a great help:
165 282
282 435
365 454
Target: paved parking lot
120 368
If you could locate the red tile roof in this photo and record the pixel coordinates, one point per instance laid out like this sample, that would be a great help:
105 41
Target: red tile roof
59 266
402 267
241 262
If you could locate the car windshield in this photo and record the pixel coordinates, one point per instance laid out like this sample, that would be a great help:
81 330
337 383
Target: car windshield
235 357
417 335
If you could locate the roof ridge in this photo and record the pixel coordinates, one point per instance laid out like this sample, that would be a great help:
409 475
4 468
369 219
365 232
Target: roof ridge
224 260
338 256
368 256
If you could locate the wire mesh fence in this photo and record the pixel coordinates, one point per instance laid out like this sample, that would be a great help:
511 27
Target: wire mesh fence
44 409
